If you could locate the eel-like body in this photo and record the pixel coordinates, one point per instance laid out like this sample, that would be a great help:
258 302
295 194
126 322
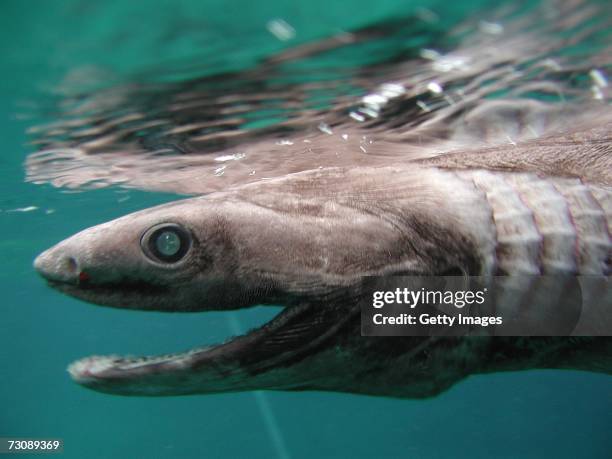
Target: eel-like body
447 165
306 240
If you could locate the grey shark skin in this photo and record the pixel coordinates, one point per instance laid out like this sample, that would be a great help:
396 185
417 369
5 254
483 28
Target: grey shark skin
304 241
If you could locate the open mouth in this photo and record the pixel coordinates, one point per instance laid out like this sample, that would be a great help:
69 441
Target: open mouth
170 373
180 372
242 362
269 356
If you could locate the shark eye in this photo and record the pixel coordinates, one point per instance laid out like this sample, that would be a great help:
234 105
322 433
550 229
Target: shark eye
167 242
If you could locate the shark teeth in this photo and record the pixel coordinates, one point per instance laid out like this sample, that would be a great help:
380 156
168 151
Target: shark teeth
95 365
90 366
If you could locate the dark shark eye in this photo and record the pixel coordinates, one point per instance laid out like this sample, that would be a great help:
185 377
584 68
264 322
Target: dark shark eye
167 242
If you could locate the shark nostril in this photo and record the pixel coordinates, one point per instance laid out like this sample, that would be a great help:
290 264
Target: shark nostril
56 266
71 265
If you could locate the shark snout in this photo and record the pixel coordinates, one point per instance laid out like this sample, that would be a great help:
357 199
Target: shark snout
56 265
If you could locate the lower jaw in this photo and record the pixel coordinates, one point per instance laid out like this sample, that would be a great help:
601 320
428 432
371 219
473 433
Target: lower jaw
130 375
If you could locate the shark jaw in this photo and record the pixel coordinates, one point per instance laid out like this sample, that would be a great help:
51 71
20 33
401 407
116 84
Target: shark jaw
266 357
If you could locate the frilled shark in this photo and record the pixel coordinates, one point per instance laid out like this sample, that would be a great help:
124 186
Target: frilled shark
433 174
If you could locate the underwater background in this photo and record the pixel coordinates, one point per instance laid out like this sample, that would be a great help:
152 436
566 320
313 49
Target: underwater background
528 414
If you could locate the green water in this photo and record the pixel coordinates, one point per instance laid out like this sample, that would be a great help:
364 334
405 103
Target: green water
529 414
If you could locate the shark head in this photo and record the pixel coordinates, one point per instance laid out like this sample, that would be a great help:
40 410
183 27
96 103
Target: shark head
304 242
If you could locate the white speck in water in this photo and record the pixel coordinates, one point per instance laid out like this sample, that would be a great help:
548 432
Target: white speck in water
599 78
373 103
252 172
23 209
362 148
374 100
306 141
357 116
234 157
324 127
492 28
551 64
345 136
281 29
390 90
450 63
220 171
430 54
435 87
423 106
123 199
284 142
49 211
